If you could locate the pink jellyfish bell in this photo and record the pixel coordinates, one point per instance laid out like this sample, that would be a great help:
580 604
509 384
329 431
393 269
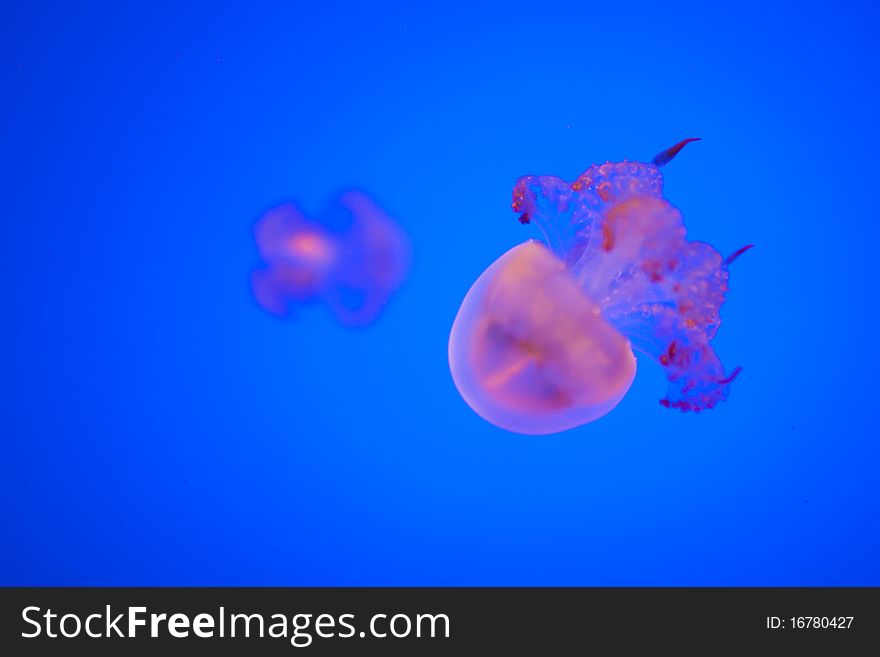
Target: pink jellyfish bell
530 353
544 339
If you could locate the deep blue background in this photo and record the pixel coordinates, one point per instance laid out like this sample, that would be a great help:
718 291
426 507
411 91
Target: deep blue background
159 428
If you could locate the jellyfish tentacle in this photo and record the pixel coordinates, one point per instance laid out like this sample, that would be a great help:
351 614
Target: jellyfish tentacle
736 254
665 157
735 373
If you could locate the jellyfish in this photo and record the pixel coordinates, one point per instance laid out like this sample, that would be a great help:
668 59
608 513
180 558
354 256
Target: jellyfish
544 339
352 261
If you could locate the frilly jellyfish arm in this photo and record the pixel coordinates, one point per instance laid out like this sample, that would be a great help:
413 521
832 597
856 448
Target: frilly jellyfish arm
626 246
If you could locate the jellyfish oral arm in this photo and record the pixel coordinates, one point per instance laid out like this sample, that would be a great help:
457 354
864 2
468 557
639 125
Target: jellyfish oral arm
626 247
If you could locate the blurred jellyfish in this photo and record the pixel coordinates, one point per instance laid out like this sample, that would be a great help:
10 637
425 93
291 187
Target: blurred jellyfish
352 268
543 339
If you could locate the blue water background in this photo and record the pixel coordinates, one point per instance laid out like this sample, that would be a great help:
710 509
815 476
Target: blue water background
159 428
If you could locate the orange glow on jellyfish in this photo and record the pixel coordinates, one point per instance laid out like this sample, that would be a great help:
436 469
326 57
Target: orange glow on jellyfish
544 339
352 269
